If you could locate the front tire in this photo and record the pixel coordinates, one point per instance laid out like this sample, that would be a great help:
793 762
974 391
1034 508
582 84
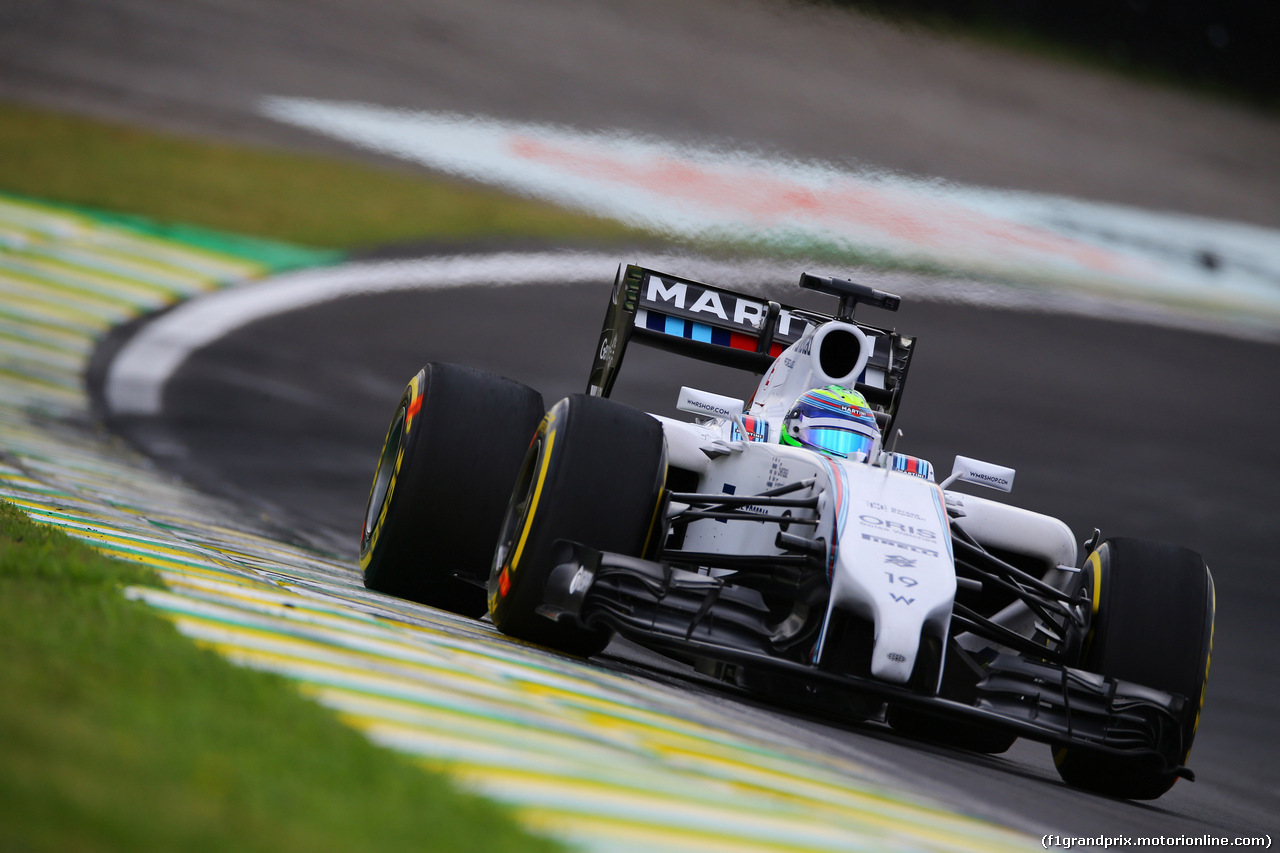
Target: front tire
1153 610
451 453
593 475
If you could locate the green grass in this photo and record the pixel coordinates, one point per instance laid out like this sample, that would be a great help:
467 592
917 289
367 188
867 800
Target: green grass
315 201
116 734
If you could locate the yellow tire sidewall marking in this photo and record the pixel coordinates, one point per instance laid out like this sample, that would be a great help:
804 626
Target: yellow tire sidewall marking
415 391
1060 755
1096 562
649 545
537 495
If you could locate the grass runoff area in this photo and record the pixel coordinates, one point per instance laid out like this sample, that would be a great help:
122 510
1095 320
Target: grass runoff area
310 200
119 734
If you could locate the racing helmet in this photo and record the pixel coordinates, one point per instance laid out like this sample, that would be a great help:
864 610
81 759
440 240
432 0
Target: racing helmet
835 421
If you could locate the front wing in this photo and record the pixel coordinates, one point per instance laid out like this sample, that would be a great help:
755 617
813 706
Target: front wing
695 616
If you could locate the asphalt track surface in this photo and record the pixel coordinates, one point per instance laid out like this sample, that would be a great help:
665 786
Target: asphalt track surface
1140 431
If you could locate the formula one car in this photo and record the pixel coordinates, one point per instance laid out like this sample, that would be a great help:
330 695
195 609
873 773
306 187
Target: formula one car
777 544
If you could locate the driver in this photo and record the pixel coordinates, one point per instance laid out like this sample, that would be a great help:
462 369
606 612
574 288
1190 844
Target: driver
835 421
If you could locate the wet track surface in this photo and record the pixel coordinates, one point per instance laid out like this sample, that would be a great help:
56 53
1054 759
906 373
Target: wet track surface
1140 431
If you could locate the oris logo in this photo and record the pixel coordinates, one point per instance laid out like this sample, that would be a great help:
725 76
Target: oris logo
897 527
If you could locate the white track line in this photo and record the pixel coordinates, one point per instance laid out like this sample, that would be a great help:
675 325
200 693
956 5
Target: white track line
138 374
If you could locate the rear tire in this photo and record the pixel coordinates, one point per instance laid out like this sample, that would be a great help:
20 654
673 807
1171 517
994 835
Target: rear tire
452 451
1153 610
593 475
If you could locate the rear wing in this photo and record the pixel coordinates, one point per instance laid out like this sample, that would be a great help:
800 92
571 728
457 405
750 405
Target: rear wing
735 330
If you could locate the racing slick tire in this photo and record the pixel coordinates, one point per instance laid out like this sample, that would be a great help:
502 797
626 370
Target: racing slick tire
1153 610
594 474
452 451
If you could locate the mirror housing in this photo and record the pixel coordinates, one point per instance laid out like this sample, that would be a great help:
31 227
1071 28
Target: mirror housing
980 473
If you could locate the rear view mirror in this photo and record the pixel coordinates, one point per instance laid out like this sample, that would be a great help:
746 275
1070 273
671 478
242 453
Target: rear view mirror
981 473
710 405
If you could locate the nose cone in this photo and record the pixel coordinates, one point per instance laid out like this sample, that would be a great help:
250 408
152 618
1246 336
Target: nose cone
894 564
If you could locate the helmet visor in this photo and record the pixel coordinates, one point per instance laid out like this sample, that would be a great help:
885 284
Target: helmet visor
837 441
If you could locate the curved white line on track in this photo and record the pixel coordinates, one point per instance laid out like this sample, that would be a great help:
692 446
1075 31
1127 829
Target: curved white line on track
137 376
135 381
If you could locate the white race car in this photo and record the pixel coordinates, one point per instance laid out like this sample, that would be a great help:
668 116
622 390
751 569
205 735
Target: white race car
778 545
